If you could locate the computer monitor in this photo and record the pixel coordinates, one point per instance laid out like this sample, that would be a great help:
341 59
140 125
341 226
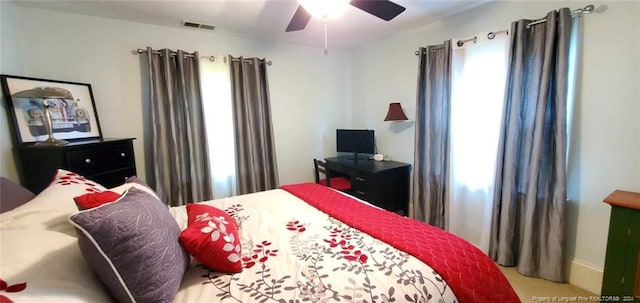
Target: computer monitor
356 141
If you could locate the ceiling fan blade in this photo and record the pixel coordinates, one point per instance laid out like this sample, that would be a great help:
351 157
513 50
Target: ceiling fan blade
299 20
383 9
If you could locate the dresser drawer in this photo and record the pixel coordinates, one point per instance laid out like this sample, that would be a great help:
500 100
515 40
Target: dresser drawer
359 186
113 178
97 159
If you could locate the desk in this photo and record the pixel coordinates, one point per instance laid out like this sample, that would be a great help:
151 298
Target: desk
382 183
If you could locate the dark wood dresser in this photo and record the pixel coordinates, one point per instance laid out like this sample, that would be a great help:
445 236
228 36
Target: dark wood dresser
621 279
107 161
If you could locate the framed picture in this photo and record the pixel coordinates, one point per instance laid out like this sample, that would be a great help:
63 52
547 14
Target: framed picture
71 108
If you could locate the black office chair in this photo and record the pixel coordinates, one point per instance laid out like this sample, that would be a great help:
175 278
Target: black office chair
339 183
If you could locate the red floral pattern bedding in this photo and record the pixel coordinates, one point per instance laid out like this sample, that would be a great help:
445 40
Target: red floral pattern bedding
292 252
469 272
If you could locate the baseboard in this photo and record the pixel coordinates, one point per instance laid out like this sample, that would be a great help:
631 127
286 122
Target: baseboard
585 276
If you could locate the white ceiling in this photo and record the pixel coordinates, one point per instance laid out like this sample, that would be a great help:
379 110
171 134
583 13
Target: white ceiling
262 19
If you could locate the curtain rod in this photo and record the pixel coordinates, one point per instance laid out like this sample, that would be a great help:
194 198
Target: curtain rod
235 59
460 43
173 53
574 13
490 36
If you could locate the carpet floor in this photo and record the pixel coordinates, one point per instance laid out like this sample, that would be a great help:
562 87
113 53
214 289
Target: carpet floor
540 290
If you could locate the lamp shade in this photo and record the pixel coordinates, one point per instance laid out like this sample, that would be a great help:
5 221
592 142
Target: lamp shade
44 92
395 113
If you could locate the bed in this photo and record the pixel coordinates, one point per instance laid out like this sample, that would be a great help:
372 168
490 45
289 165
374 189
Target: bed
298 243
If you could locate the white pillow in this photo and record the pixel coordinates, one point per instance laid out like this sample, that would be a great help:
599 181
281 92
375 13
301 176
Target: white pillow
51 265
50 208
180 214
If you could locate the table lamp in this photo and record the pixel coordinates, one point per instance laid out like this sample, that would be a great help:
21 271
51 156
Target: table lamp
45 94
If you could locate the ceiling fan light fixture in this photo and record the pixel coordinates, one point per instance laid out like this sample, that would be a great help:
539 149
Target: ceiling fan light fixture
325 9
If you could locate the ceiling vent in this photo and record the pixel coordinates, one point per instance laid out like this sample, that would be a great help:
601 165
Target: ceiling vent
197 25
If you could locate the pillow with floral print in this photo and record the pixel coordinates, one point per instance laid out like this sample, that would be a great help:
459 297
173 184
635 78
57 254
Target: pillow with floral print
132 245
50 208
211 237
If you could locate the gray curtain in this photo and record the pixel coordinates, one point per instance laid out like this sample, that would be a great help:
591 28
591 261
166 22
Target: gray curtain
530 193
430 173
256 165
178 137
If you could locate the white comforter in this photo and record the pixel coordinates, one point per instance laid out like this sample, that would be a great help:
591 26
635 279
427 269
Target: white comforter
294 252
291 253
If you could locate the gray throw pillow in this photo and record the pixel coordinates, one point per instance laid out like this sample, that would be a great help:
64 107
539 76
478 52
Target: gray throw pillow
12 195
132 245
135 179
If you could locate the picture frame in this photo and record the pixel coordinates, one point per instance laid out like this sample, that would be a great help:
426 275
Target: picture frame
73 117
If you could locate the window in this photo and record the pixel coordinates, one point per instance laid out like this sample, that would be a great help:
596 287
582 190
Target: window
216 98
477 96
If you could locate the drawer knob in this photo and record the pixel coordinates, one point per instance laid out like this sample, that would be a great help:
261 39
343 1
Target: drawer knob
87 160
122 154
360 179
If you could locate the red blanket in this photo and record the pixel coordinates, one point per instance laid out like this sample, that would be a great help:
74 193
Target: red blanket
468 271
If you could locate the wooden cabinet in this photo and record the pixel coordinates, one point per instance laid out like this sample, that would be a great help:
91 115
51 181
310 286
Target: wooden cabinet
382 183
622 264
108 161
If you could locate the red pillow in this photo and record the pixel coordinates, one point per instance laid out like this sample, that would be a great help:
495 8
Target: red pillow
91 200
211 237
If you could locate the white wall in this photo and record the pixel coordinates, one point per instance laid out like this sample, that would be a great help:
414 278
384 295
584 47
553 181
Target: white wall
53 45
607 116
7 168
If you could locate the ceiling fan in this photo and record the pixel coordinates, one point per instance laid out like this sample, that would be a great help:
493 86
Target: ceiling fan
383 9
